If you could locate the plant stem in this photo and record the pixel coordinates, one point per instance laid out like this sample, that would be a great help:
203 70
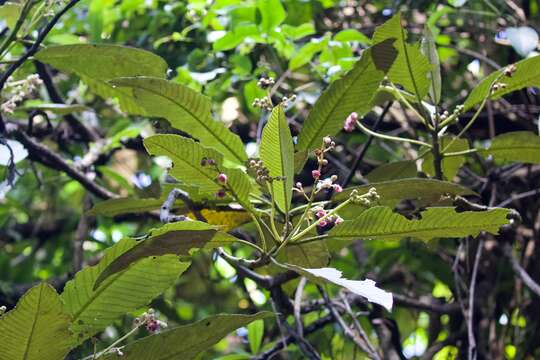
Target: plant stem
435 149
312 226
391 138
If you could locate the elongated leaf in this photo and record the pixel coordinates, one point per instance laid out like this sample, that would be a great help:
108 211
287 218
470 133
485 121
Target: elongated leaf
97 64
115 207
429 49
59 109
255 335
93 309
392 171
277 154
37 329
365 288
186 342
520 146
188 166
351 93
186 110
426 191
382 223
527 74
179 238
411 67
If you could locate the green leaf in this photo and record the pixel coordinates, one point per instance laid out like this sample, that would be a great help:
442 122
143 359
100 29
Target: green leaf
37 329
93 309
113 207
97 64
187 156
305 54
272 14
277 154
392 171
450 165
352 35
365 288
59 109
186 342
426 191
255 335
519 146
314 254
179 238
429 49
9 12
411 68
298 32
527 74
382 223
351 93
186 110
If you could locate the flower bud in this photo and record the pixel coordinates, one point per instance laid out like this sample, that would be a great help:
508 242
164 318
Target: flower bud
316 174
222 179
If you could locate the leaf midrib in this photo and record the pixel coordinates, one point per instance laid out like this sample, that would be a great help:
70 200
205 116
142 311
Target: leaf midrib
32 330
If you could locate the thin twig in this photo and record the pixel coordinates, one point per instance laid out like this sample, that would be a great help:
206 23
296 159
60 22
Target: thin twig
470 316
531 284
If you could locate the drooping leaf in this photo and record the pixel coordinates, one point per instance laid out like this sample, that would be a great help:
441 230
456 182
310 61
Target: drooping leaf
365 288
97 64
351 93
527 74
113 207
186 110
425 191
411 67
93 309
186 342
392 171
178 238
449 165
37 329
255 335
429 49
272 14
277 154
382 223
59 109
520 146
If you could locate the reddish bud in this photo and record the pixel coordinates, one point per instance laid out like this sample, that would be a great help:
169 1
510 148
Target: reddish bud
320 213
222 179
322 223
338 188
220 193
316 174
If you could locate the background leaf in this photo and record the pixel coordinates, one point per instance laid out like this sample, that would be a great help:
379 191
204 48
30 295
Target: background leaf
520 146
37 329
381 222
450 165
527 74
93 309
97 64
277 154
186 110
429 49
186 342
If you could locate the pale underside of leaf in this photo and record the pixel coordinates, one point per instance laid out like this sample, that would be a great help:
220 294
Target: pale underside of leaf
520 146
365 288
